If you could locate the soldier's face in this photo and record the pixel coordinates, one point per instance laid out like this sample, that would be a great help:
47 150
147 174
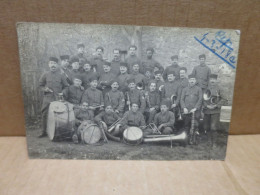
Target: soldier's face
192 81
171 77
109 109
149 54
212 81
158 77
87 67
131 85
202 61
99 52
114 86
94 84
148 74
81 50
123 69
174 61
77 82
106 68
53 66
182 74
116 54
84 106
152 86
134 107
164 108
75 65
132 51
65 63
136 68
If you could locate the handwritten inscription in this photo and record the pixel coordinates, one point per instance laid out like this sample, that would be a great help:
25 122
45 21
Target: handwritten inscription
220 44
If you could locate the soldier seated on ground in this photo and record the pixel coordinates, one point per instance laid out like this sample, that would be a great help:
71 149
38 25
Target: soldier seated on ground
109 117
81 114
163 120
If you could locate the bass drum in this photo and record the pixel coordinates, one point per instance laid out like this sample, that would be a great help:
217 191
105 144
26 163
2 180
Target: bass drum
133 136
90 133
60 121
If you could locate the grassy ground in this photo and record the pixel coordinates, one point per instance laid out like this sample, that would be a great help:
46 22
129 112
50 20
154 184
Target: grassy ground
44 148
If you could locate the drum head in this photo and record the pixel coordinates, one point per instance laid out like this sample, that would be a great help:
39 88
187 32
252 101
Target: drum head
58 106
133 134
91 134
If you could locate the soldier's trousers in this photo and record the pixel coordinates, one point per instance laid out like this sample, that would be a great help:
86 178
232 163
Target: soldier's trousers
187 120
164 131
150 116
44 119
211 122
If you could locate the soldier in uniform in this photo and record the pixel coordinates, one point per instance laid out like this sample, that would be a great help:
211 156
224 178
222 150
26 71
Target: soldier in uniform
64 69
150 63
137 76
80 55
87 74
106 78
184 82
74 72
202 73
191 101
152 101
115 98
135 96
158 80
132 59
97 61
51 83
93 97
123 77
115 63
174 67
73 93
132 118
149 76
212 109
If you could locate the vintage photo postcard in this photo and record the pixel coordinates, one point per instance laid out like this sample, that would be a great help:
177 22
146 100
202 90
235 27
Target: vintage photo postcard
118 92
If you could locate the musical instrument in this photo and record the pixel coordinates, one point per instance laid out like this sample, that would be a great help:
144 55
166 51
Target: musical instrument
133 136
225 114
114 125
213 100
193 132
146 94
161 88
173 99
60 120
181 138
128 99
114 138
154 128
90 133
103 131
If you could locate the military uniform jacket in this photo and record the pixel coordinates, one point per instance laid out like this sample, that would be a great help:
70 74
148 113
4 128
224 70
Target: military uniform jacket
86 76
151 64
215 91
139 78
183 82
116 99
75 74
202 74
106 78
56 82
154 99
131 118
82 58
93 97
174 68
66 74
83 115
136 96
167 118
98 63
191 97
109 119
171 88
131 60
73 94
122 81
115 67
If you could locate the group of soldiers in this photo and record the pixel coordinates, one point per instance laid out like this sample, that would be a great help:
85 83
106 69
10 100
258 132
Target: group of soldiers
134 92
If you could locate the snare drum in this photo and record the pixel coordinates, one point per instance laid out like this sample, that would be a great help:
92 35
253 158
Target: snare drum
90 133
133 135
61 120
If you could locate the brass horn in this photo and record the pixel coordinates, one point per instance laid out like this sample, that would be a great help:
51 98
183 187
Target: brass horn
207 95
173 99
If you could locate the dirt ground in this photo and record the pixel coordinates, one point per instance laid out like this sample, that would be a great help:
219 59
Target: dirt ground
46 149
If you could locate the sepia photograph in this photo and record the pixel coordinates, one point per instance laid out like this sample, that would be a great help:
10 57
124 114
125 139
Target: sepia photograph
119 92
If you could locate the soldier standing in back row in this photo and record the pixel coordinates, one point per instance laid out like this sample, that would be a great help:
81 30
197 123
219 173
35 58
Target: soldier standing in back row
80 55
97 61
150 63
51 83
115 63
132 59
174 67
64 69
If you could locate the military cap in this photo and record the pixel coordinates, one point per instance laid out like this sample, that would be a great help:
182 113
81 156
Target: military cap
183 68
74 59
54 59
64 57
114 81
94 77
133 46
202 56
80 45
174 57
107 63
140 85
123 64
192 76
157 72
150 49
77 77
171 72
213 76
130 81
99 47
166 102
